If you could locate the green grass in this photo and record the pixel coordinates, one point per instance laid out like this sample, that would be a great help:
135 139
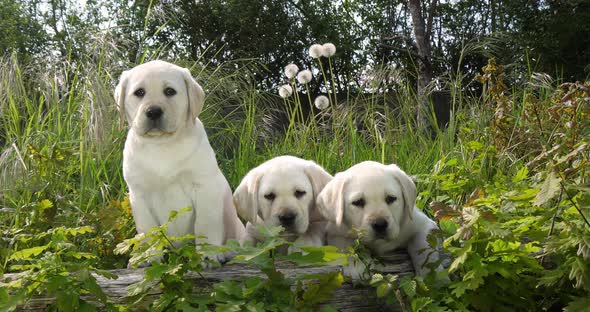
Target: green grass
60 162
63 137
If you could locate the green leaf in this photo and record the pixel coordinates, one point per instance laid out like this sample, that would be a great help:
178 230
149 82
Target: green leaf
230 288
420 303
29 253
521 174
9 302
75 231
551 277
157 270
255 307
316 255
579 272
549 189
68 300
579 304
409 286
174 214
451 162
228 308
328 309
44 204
461 257
523 195
384 290
86 307
80 255
106 274
475 145
268 231
376 279
322 291
448 226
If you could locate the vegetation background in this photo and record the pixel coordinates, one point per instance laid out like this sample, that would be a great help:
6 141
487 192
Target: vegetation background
486 103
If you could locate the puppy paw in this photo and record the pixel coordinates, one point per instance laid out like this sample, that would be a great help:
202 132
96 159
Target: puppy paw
293 249
356 270
217 259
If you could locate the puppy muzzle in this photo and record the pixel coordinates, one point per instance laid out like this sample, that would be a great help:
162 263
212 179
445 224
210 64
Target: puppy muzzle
154 124
287 219
379 227
154 113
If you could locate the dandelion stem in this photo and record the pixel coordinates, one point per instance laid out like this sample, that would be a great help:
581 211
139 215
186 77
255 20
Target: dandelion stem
332 77
332 103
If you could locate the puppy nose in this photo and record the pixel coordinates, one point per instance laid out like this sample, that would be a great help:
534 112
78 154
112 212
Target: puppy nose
379 225
287 218
154 112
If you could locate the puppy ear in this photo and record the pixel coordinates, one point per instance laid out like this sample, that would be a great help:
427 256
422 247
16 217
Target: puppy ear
246 196
120 92
196 96
408 191
330 201
318 178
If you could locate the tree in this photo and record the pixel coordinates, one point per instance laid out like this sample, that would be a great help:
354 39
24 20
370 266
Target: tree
422 23
21 33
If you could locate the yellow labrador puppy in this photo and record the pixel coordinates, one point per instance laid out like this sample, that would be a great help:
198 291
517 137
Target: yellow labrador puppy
379 201
168 163
282 192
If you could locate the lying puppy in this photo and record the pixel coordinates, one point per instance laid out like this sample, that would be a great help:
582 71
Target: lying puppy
168 163
379 201
282 192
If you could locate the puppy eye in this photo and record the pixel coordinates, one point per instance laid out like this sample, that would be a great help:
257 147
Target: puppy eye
359 202
389 199
169 92
139 92
299 193
270 196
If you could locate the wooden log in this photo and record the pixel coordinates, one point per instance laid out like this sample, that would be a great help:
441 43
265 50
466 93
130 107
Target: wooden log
348 298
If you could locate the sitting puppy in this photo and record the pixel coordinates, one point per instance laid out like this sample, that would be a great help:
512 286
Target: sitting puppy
282 192
168 163
379 201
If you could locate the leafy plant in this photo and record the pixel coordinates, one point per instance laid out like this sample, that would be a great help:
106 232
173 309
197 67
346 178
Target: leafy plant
58 269
275 292
519 239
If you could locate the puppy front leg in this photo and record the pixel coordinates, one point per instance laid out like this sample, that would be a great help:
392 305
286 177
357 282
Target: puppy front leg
315 235
251 234
355 269
142 213
144 221
421 253
209 217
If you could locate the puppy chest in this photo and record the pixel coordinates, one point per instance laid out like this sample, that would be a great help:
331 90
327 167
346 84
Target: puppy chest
157 175
168 197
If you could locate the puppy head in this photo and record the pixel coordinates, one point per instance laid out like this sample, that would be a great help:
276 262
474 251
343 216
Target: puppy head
370 197
158 98
282 192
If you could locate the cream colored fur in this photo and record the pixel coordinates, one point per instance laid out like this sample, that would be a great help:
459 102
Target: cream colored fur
373 185
168 163
294 184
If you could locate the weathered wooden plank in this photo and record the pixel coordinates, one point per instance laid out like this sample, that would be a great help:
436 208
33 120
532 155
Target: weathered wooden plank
348 298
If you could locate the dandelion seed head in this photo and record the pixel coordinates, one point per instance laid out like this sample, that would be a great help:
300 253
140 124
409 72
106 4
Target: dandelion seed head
328 49
316 51
291 70
285 91
304 76
321 102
